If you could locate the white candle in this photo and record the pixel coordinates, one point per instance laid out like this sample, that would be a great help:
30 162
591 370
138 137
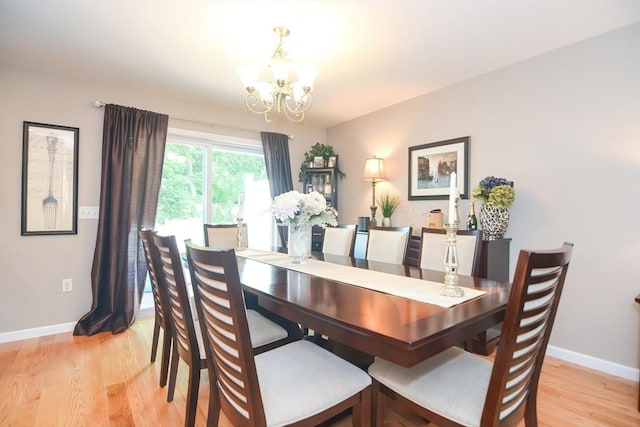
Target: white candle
240 205
453 189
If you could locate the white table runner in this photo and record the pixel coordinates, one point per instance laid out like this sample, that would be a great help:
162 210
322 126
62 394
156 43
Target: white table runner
407 287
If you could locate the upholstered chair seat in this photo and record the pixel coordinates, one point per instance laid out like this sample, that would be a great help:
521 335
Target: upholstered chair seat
301 379
462 381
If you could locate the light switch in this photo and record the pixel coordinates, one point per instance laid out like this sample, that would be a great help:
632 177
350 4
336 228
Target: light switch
88 212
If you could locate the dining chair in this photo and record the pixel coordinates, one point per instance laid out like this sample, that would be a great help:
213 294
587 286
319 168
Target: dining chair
225 235
187 339
433 248
339 240
162 319
388 244
456 388
296 384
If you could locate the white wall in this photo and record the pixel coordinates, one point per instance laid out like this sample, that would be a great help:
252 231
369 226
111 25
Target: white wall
33 266
565 127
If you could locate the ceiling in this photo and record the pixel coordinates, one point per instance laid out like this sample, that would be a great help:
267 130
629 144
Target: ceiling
371 54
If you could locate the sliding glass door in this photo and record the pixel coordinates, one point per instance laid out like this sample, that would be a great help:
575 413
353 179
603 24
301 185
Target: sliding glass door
204 177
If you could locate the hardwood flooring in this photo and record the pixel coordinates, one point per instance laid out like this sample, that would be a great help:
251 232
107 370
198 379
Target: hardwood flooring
107 380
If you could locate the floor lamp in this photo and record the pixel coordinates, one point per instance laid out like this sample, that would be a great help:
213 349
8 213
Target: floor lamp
374 172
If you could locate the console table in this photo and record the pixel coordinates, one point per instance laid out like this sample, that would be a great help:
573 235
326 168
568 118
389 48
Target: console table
494 265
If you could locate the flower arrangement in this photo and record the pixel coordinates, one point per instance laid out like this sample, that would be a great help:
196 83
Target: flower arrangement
295 209
494 191
388 204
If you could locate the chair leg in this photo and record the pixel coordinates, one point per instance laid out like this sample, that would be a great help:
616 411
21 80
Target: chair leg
154 341
173 371
166 355
213 414
378 406
192 396
531 411
362 410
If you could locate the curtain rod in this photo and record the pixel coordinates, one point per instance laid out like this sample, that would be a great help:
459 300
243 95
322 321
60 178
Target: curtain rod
100 104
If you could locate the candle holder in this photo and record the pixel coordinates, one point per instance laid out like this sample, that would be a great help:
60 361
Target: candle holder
450 287
239 237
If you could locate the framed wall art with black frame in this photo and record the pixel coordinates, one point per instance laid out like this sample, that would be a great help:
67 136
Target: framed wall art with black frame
431 165
49 179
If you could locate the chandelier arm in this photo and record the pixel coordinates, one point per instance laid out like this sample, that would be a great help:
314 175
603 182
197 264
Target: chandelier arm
294 116
252 100
298 107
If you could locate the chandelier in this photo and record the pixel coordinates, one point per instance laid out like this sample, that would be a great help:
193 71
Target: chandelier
288 88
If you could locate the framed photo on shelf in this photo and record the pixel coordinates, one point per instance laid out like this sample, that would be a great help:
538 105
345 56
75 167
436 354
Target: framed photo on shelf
318 162
431 165
49 179
333 162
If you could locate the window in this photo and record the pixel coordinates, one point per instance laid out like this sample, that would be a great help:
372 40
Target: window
202 178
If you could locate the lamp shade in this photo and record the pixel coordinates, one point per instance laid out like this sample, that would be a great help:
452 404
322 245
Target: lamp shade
374 170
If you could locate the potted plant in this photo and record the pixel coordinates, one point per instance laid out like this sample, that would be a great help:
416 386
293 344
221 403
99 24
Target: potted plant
318 150
388 205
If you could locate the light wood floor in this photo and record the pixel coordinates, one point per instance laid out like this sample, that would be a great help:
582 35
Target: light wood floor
61 380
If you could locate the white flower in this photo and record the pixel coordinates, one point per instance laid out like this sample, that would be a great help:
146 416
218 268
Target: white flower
295 208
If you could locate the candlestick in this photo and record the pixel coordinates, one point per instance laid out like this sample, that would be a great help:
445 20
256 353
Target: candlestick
239 237
450 287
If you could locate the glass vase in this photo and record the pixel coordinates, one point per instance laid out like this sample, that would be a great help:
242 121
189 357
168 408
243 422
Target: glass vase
494 221
299 244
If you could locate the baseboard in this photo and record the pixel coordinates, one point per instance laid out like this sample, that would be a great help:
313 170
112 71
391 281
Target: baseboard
60 328
594 363
25 334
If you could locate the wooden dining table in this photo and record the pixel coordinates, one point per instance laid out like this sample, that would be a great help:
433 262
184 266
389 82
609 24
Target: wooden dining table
399 329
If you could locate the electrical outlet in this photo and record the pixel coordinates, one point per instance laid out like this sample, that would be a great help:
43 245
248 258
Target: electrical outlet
88 212
67 285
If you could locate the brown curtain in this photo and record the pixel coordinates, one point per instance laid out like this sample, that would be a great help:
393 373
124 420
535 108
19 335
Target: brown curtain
278 164
133 143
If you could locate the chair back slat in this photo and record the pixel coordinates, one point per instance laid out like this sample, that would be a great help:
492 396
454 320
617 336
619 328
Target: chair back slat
533 303
223 320
173 276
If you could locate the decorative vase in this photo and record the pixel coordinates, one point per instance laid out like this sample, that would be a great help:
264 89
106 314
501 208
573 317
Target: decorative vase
386 221
299 244
494 221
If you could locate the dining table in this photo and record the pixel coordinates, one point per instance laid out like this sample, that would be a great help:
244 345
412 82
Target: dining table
377 308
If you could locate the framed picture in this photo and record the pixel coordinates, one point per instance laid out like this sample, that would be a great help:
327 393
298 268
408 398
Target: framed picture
431 165
318 162
333 162
49 179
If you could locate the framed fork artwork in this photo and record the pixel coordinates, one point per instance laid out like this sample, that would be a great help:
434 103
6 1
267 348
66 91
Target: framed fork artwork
49 179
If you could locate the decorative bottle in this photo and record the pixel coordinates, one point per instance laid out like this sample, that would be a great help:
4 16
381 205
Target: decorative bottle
472 221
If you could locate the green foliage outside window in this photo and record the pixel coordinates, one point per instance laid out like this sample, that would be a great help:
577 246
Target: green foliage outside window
229 170
181 189
181 193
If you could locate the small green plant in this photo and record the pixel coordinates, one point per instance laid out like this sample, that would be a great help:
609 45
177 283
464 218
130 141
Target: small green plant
388 204
318 150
